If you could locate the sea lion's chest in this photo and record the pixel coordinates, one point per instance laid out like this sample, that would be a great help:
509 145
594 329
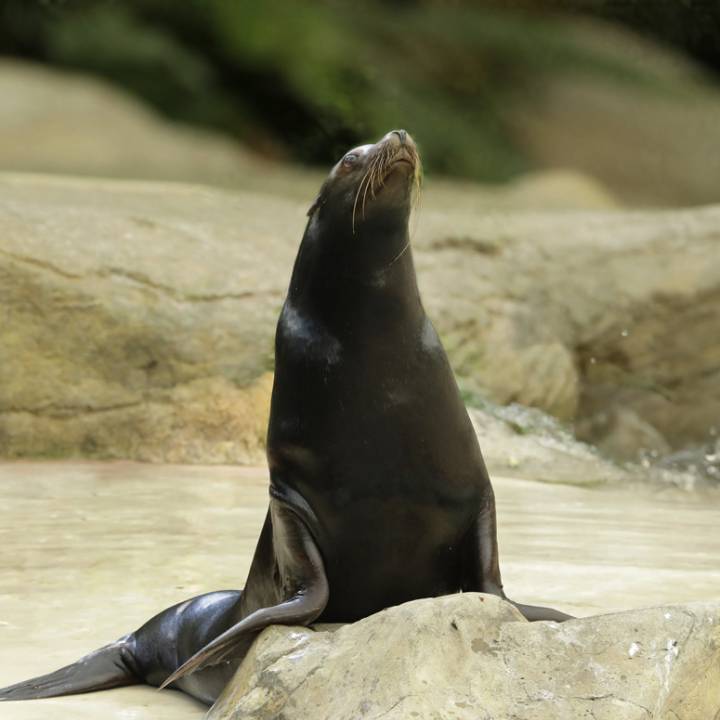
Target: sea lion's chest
374 440
373 414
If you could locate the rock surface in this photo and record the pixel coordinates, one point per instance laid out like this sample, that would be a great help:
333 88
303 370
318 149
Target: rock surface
62 122
622 434
641 128
527 443
138 318
134 323
581 313
473 656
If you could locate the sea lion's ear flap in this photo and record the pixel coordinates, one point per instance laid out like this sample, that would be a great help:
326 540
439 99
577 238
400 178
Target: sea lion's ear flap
316 204
319 200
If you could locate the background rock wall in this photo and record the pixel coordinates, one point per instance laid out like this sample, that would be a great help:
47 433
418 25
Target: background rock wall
138 318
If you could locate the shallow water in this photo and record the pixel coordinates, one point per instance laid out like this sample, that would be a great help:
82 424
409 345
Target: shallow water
89 551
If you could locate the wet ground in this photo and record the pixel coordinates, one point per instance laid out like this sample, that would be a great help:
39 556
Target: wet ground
88 551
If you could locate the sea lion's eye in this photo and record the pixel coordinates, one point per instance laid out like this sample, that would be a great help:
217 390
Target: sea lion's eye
350 159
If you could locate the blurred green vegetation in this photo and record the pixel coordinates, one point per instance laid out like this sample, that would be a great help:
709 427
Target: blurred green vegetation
305 80
691 26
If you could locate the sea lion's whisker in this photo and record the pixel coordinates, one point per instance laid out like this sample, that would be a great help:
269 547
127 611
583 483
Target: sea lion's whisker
357 195
399 255
368 185
417 182
364 199
376 173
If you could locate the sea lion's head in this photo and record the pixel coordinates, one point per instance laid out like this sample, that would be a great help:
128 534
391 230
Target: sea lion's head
371 188
358 225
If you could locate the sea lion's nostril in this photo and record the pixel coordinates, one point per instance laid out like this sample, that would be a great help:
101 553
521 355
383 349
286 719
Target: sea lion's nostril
402 135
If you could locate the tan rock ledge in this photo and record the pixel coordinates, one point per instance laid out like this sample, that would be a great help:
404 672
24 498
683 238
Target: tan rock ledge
473 656
138 319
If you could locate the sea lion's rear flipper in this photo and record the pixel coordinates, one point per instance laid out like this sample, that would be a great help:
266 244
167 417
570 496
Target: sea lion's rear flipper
482 565
302 586
110 666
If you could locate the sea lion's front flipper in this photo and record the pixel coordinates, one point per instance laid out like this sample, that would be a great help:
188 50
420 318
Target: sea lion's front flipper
299 574
482 567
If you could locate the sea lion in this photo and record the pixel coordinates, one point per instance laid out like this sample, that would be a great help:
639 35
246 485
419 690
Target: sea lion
378 489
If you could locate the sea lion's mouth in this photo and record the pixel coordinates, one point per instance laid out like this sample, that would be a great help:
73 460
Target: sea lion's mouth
405 154
403 158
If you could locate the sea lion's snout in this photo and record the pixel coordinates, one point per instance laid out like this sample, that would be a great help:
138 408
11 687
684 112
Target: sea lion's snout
399 152
382 177
402 147
392 171
401 135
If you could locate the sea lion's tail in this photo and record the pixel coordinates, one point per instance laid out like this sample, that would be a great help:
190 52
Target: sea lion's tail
111 666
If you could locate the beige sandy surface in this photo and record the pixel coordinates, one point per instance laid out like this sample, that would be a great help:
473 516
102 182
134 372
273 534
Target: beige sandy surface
88 551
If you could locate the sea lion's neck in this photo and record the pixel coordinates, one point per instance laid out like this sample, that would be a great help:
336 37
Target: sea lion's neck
349 290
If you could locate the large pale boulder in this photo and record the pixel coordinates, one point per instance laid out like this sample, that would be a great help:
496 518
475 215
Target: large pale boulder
474 656
528 443
640 121
63 122
579 313
137 319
